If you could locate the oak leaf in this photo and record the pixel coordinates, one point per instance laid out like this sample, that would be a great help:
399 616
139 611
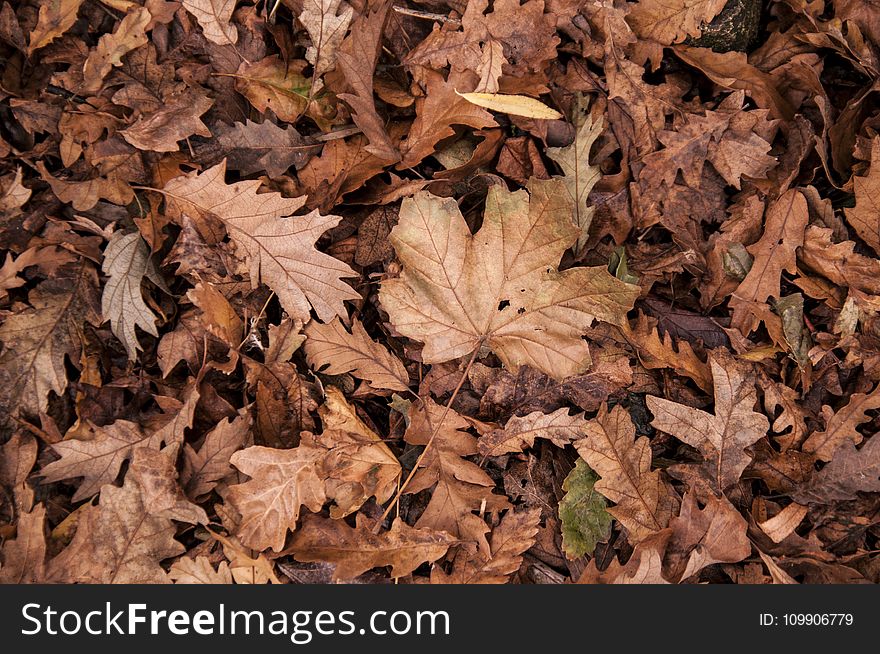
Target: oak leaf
579 176
332 349
500 287
175 119
37 340
272 84
721 438
865 215
54 19
255 147
644 501
785 223
199 571
204 468
582 512
702 537
128 35
282 482
436 112
121 540
126 262
279 248
356 58
840 427
356 550
326 21
213 16
645 565
459 487
24 557
849 472
509 541
520 432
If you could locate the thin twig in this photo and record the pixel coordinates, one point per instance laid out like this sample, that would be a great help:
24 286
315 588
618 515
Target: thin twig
427 15
434 431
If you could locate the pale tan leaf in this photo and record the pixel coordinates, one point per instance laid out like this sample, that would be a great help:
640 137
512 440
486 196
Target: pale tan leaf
55 18
500 287
279 248
332 349
516 105
783 524
326 21
645 502
127 262
213 16
579 176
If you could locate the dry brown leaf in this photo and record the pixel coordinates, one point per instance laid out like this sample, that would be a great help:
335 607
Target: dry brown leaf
520 432
460 291
840 427
24 557
37 340
55 18
645 502
121 541
199 571
459 487
723 436
354 551
127 262
332 349
786 221
865 215
213 16
282 482
279 248
510 539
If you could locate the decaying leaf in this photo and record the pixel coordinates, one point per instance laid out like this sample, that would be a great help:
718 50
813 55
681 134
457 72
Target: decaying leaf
354 551
585 520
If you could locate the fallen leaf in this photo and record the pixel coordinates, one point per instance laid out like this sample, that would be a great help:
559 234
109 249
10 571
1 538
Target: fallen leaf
517 304
332 349
582 511
644 501
354 551
721 438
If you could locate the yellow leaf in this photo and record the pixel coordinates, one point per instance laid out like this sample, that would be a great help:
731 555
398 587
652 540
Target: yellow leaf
516 105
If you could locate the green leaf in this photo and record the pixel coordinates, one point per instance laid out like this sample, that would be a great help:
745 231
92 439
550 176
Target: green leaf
585 521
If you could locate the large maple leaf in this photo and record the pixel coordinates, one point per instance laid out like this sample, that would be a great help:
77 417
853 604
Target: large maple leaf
499 287
280 249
